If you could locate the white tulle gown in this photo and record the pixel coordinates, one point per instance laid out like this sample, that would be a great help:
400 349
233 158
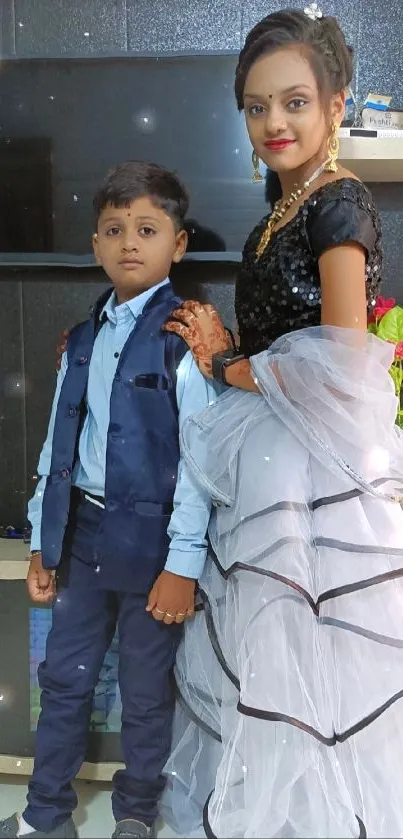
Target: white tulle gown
290 679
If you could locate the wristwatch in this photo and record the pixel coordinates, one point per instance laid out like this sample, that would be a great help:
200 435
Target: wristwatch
221 361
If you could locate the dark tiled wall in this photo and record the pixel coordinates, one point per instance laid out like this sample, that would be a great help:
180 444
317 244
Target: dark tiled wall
54 28
34 308
12 403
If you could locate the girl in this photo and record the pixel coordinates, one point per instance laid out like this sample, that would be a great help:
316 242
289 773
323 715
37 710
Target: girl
290 678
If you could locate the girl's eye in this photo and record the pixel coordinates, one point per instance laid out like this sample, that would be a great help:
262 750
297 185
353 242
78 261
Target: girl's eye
113 231
296 104
147 231
255 110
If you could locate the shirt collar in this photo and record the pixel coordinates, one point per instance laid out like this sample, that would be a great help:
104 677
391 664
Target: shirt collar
133 308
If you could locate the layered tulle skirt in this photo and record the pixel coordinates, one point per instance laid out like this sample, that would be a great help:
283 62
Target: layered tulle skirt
290 680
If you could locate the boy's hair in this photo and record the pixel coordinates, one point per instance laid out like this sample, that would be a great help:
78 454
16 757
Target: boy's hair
136 179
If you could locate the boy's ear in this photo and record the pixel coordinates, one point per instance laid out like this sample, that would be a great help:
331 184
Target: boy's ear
95 247
181 245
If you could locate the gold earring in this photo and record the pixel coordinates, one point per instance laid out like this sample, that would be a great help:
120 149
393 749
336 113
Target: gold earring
256 177
333 149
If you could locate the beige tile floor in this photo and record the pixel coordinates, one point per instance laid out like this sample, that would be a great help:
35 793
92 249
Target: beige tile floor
93 817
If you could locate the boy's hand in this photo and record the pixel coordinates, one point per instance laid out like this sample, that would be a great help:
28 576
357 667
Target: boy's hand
172 598
41 582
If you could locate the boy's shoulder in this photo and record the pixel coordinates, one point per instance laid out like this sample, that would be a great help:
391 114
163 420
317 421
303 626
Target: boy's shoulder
75 337
94 312
78 332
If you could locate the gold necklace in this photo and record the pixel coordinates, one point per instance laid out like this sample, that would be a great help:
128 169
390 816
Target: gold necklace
281 207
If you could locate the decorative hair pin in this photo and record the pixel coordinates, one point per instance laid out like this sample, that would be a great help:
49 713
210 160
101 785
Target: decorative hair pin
313 11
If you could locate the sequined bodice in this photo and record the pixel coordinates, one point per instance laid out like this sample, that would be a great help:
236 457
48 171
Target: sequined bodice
280 292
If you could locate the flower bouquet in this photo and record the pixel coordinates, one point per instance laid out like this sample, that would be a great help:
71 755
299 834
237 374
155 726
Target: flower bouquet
386 322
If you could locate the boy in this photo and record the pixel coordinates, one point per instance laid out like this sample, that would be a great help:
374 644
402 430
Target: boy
104 508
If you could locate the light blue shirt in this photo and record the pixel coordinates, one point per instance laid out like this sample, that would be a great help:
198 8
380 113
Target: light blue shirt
192 505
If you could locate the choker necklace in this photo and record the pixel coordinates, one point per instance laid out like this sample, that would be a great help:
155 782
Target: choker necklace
281 207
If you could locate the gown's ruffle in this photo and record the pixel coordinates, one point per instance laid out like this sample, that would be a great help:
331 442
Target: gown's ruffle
290 678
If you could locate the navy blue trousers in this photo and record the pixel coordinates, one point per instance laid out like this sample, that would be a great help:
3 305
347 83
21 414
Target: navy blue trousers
85 618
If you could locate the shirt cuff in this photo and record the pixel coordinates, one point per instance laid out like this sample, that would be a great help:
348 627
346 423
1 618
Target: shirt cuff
36 538
186 563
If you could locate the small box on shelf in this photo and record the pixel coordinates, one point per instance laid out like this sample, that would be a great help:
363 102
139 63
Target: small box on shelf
374 155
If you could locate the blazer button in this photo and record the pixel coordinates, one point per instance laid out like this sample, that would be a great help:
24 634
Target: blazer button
65 473
83 360
72 412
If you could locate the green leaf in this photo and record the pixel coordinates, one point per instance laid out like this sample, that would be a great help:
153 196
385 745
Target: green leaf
372 327
390 328
397 378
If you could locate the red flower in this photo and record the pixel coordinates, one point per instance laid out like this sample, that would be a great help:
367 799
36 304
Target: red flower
399 351
382 306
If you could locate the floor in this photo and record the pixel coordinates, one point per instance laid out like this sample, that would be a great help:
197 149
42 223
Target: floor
93 817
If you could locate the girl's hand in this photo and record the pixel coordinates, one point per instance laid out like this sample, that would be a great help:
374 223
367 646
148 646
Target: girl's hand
61 348
201 327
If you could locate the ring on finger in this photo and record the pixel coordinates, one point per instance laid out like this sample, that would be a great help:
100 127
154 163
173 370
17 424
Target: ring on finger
168 615
159 611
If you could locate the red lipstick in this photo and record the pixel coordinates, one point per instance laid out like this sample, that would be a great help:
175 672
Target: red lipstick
278 145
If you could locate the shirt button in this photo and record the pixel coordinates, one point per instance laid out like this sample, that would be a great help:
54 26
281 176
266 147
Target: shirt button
116 354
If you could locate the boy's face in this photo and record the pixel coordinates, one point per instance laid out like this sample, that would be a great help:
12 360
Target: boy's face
136 246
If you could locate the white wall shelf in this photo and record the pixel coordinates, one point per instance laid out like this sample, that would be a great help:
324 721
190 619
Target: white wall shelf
374 156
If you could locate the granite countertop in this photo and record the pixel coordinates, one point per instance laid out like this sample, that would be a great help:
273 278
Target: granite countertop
13 559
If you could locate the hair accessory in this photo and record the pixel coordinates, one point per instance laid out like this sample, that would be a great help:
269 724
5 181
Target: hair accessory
313 11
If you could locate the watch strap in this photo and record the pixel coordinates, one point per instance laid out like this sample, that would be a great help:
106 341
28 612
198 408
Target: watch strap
221 361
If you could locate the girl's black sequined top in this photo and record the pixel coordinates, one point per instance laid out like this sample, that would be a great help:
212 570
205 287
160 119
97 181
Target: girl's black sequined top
280 292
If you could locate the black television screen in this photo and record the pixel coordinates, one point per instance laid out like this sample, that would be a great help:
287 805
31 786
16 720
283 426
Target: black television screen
64 123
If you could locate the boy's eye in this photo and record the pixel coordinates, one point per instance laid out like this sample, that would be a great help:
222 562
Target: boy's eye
113 231
147 231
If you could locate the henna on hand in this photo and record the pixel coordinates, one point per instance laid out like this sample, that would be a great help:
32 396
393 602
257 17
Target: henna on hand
202 329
